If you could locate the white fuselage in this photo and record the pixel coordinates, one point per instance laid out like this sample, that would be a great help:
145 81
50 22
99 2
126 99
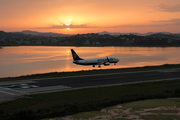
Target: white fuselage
97 61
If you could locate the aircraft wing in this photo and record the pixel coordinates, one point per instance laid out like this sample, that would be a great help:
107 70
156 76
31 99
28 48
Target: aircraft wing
100 63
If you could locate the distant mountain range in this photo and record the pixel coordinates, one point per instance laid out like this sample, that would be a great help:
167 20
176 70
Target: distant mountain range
47 34
28 37
149 33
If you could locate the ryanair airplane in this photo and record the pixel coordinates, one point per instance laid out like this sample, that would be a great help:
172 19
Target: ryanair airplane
97 61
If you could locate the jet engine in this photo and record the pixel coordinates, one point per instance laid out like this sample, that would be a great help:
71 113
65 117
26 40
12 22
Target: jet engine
107 63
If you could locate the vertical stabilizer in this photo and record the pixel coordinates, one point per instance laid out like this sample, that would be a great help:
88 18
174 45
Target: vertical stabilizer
75 56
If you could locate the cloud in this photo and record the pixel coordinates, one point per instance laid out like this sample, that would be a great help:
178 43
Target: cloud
65 26
160 23
175 21
168 8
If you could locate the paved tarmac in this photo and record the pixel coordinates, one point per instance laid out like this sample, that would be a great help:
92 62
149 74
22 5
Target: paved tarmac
13 89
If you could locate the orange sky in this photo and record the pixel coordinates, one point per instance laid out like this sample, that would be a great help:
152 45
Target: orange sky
87 16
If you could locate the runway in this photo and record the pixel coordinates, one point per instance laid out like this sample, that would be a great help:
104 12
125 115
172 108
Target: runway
14 89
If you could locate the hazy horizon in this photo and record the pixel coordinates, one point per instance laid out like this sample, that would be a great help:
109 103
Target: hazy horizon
84 16
92 32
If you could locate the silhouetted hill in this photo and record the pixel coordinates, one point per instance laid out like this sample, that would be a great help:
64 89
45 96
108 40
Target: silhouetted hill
145 34
162 39
35 33
116 33
46 34
30 32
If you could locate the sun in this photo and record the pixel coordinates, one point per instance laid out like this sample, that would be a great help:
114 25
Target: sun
68 51
67 24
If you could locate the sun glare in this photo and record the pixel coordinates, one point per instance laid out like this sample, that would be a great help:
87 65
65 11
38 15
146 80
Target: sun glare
68 28
68 51
67 24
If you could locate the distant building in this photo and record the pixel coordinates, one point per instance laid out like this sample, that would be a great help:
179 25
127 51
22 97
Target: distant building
87 42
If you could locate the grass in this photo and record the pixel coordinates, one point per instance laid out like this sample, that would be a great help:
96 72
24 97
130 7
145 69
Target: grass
87 115
90 99
160 117
138 105
164 111
90 72
169 113
120 119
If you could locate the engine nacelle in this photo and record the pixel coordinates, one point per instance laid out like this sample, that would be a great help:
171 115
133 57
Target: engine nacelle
107 63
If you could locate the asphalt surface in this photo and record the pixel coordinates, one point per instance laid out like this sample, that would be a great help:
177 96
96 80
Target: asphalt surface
14 89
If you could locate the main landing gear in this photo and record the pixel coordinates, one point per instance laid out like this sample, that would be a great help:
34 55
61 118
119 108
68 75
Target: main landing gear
98 66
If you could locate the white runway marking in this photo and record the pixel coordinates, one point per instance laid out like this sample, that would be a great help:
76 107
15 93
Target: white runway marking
23 84
7 93
25 87
28 86
34 86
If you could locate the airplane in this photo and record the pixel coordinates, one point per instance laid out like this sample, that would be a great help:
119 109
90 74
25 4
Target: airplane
96 61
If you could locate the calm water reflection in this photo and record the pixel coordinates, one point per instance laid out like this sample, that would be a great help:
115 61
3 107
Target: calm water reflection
24 60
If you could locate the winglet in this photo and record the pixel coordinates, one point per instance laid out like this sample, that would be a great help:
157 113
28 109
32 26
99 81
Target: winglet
75 56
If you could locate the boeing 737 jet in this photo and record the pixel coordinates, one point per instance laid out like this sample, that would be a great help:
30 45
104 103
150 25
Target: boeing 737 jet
96 61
